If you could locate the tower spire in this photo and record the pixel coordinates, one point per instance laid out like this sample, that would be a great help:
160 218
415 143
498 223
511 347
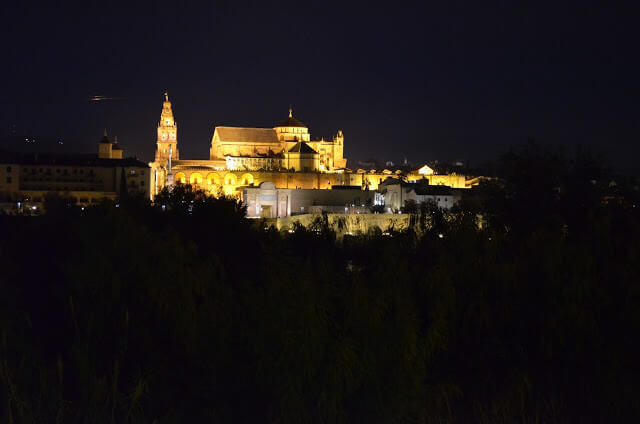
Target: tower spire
105 132
167 133
290 112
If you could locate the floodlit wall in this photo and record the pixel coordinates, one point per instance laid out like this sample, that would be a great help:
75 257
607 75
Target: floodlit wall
347 224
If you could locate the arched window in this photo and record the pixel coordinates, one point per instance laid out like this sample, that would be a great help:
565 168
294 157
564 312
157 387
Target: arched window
247 179
213 179
181 178
230 179
195 178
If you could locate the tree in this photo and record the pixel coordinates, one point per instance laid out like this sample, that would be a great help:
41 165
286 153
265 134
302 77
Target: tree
410 206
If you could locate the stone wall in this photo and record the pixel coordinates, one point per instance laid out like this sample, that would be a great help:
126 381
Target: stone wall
343 224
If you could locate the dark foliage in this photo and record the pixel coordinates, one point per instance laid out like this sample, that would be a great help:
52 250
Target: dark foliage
182 312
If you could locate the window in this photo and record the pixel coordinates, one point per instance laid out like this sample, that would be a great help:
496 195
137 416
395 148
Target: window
132 172
8 169
8 180
141 183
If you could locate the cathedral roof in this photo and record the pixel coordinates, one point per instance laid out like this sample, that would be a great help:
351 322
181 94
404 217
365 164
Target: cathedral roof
302 147
247 135
291 121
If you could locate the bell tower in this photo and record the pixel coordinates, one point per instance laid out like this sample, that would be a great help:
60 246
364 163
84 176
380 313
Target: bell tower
167 143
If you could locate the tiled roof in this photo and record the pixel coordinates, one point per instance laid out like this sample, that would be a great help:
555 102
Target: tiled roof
247 135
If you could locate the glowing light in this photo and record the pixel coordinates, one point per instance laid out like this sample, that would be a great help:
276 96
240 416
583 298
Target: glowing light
425 170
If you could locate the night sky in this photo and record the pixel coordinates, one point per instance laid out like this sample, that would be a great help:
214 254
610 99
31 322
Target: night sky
442 81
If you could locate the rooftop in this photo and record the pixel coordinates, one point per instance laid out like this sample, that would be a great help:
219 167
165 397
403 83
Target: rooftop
67 160
302 147
291 121
246 135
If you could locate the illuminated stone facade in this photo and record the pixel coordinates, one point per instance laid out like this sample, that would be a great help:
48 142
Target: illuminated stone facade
167 137
267 201
284 155
286 147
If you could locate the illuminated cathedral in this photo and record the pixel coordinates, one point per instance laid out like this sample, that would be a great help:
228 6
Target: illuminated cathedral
284 155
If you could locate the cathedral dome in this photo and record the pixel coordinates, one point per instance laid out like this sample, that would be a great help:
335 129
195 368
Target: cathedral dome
291 121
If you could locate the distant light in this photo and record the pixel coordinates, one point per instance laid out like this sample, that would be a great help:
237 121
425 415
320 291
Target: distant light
440 235
33 207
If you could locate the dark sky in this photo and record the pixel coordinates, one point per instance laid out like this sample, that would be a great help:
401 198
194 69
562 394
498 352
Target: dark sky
447 80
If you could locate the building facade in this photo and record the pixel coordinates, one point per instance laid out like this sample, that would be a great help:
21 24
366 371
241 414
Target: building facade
285 155
267 201
26 179
395 194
